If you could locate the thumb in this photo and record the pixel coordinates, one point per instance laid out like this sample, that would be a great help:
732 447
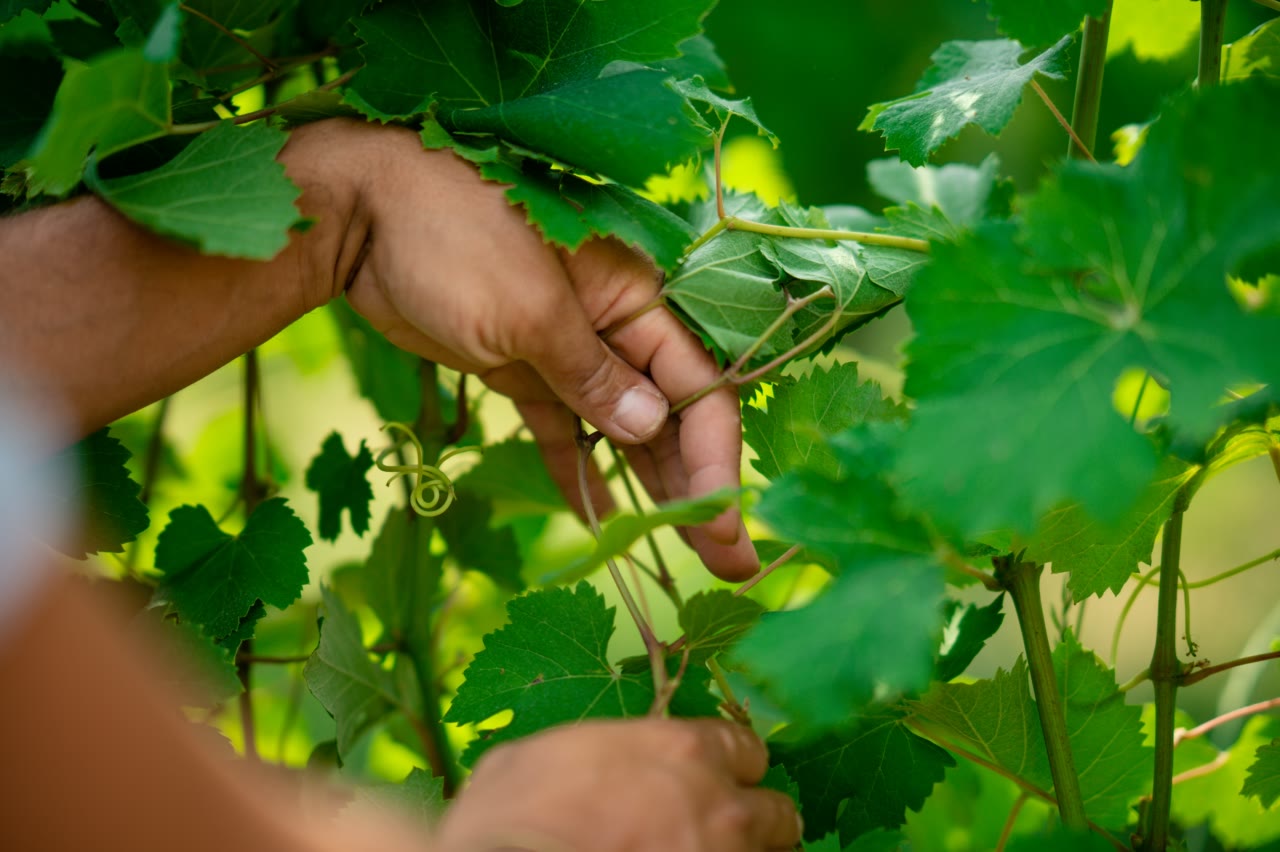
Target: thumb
596 383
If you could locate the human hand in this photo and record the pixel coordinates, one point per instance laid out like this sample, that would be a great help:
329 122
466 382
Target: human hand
455 274
653 785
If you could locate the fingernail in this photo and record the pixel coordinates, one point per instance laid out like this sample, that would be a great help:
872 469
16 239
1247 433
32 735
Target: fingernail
640 412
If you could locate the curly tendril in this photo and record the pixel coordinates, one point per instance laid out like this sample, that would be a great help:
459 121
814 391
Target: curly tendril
433 494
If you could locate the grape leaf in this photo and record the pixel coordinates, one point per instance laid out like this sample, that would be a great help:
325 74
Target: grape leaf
549 665
569 210
116 100
1106 735
528 73
342 482
802 413
513 474
963 194
1154 250
995 718
713 621
1237 821
998 719
1060 839
730 289
778 779
1256 53
224 193
105 497
326 20
210 675
386 375
620 532
402 576
862 777
875 628
477 545
970 82
975 626
1263 781
214 579
352 688
697 90
1032 25
698 58
1102 557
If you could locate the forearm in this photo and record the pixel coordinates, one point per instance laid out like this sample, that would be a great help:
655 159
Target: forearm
110 317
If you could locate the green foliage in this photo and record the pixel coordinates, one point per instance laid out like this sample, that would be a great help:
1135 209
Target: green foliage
342 482
802 413
105 500
1257 53
1239 821
214 579
970 82
342 676
224 193
862 777
974 626
713 621
550 666
1263 780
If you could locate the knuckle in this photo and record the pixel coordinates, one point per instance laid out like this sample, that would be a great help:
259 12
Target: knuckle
685 744
732 818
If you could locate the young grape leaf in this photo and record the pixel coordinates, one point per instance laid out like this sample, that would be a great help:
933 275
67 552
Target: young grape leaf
1034 25
1263 781
245 630
970 82
402 576
528 73
1101 557
862 777
964 194
352 688
342 482
696 89
1060 839
105 498
619 533
1238 820
803 413
513 474
698 58
1257 53
713 621
778 779
386 375
569 210
214 579
730 290
116 100
209 676
974 627
476 545
224 193
549 665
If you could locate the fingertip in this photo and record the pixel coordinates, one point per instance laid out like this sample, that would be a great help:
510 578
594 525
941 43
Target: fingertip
732 563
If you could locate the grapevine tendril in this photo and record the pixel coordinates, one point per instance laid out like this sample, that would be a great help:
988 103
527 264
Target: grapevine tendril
433 492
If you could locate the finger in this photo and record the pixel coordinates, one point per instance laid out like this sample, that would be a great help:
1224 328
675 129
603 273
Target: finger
725 746
554 428
606 391
775 823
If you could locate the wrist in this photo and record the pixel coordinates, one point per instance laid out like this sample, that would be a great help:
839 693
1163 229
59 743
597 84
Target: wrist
330 162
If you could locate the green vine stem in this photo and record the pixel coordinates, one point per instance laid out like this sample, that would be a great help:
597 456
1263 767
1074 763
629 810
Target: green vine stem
202 126
663 575
1149 577
1093 60
1022 581
1012 819
431 428
1166 671
1213 23
251 495
733 223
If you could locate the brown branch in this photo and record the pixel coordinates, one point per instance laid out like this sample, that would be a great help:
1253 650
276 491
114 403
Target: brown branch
1200 730
1200 674
1066 125
1009 823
